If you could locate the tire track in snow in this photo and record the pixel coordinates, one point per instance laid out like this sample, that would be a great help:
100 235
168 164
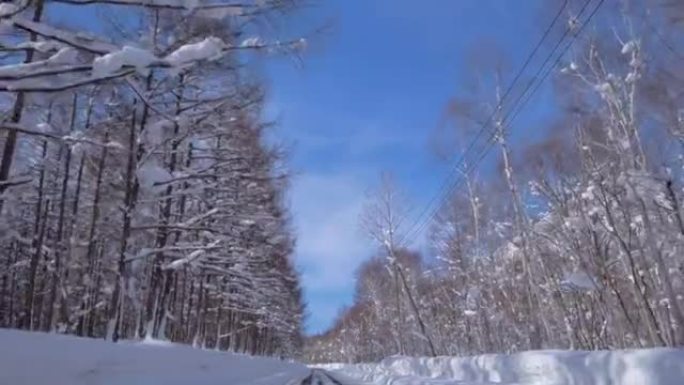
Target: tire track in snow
321 377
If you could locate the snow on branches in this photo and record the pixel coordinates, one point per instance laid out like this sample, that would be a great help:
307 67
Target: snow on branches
143 199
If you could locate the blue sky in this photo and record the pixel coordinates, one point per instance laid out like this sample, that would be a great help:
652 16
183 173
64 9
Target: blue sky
369 98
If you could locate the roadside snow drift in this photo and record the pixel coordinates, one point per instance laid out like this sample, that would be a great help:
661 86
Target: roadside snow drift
49 359
633 367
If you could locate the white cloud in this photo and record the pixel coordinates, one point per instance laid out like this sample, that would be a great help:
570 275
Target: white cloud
329 244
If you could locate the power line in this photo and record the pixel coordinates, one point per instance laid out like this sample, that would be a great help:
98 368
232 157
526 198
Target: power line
513 113
454 172
555 64
449 186
532 81
661 38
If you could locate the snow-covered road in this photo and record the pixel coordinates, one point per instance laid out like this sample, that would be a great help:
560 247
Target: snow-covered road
32 358
322 377
50 359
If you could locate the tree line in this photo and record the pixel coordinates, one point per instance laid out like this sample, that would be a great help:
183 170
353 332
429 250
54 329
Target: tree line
572 241
139 197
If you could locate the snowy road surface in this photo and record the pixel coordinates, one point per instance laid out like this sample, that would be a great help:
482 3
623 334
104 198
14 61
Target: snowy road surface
50 359
322 377
32 358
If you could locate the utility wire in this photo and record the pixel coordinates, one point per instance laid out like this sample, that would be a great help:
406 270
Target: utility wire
449 186
443 190
555 64
511 116
662 38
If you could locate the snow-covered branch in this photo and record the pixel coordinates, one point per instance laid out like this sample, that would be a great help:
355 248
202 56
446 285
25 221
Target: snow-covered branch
235 9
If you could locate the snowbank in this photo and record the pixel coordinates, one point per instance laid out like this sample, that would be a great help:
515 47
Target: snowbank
634 367
48 359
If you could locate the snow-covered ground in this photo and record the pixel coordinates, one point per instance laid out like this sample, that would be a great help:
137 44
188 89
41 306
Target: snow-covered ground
49 359
635 367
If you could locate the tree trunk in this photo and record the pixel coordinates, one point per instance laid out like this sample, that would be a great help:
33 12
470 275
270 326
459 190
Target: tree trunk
114 316
58 244
38 232
17 111
414 307
92 232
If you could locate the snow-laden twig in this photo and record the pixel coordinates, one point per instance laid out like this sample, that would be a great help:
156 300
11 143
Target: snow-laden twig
235 9
28 86
28 131
192 257
78 41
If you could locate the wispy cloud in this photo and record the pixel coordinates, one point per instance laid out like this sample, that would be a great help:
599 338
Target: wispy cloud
329 245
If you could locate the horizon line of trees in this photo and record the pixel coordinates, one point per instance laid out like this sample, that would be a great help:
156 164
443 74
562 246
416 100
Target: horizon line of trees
573 242
139 197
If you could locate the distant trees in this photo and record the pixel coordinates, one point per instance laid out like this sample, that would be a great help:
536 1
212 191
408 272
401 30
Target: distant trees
382 220
576 242
138 197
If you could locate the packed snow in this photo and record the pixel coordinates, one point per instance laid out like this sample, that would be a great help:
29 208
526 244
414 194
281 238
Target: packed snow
128 56
7 9
65 55
152 173
630 47
207 49
251 42
629 367
30 358
41 46
579 280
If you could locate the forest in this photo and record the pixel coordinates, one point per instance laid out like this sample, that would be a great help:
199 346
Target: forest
139 197
143 197
573 240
